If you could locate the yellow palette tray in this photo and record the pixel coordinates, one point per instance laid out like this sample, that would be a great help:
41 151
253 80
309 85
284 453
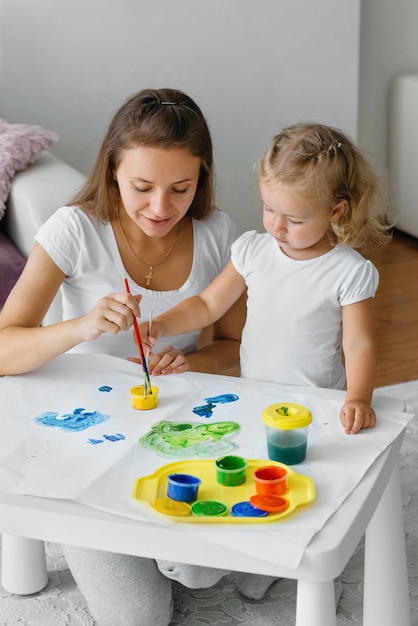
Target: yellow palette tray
148 489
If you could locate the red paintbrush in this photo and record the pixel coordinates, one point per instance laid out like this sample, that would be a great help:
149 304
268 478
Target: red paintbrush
140 348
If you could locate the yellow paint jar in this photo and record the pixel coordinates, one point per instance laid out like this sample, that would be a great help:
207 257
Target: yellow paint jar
141 400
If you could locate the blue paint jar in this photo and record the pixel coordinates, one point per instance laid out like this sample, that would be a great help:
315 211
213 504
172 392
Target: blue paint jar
183 487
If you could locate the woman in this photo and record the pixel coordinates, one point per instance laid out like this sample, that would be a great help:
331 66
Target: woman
146 213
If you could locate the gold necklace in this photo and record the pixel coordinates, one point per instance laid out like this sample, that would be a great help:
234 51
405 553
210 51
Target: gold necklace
151 268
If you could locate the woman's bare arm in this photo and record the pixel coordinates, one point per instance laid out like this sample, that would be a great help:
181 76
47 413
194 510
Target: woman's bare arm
24 344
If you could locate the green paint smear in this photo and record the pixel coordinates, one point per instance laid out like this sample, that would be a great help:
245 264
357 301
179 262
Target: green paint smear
187 439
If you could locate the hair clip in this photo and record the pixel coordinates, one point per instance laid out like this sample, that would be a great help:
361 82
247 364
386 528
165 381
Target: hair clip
162 102
339 144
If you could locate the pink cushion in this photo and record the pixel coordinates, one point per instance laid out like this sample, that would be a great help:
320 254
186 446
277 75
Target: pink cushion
11 266
20 146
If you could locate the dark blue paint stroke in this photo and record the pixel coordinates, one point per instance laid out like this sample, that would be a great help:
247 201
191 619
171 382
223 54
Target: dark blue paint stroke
223 399
105 388
78 420
116 437
205 410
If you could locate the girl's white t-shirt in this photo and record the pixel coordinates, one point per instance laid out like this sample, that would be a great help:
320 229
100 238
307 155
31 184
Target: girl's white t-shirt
293 330
85 249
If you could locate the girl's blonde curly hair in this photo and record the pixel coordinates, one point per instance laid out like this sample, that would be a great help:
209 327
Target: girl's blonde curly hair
321 162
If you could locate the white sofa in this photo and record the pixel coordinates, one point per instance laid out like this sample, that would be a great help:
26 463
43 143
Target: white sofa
403 151
36 193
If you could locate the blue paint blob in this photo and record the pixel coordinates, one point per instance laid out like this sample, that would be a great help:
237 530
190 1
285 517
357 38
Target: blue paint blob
116 437
78 420
94 442
205 410
105 388
223 399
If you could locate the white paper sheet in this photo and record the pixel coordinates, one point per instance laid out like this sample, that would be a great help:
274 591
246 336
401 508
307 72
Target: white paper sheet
52 462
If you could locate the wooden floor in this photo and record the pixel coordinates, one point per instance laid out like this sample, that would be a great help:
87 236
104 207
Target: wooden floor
396 309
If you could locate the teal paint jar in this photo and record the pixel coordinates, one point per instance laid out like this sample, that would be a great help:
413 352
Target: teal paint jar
287 427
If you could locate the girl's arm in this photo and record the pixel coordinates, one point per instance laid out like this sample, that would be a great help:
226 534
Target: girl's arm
212 304
222 353
360 354
24 344
217 352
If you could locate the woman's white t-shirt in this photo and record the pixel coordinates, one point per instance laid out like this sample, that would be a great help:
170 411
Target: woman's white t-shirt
85 249
293 330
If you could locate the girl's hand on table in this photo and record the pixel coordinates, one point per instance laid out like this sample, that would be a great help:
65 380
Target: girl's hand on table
112 314
167 361
356 415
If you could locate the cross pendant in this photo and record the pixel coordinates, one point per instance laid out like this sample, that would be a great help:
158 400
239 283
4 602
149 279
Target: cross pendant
149 275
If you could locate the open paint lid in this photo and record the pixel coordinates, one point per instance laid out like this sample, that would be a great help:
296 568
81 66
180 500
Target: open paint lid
211 508
269 503
246 509
171 507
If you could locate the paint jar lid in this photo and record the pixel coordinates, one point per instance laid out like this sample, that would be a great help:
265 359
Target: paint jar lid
269 503
171 507
246 509
287 416
209 508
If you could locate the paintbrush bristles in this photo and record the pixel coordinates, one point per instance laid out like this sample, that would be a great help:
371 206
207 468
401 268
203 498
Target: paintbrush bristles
149 333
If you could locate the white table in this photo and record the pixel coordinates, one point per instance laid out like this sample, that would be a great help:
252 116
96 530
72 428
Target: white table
374 507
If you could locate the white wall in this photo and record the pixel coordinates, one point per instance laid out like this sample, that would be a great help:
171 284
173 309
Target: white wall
389 47
252 66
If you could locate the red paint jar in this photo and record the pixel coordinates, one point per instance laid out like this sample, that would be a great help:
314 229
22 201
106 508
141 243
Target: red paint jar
270 480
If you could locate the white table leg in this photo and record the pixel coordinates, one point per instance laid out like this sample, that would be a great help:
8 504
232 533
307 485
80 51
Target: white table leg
315 604
23 565
386 591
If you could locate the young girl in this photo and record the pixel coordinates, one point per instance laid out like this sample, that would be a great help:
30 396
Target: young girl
310 293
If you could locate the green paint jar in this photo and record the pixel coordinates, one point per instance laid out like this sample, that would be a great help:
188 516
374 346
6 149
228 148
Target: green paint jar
231 470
